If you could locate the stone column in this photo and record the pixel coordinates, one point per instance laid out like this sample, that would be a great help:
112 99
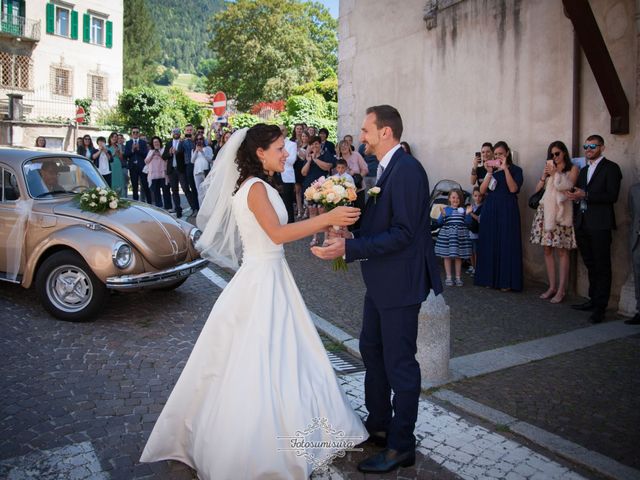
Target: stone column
434 341
347 49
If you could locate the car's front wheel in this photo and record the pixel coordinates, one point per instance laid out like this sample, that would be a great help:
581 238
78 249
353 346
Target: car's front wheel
68 289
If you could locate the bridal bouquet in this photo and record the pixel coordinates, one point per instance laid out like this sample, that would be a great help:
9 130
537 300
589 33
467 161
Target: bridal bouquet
332 192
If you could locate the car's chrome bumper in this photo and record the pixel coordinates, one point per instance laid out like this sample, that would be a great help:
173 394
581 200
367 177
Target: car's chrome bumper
153 279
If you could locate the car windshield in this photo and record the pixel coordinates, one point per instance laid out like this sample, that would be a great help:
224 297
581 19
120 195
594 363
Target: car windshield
51 176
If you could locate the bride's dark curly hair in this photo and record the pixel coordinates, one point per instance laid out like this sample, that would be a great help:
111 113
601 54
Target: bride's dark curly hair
249 165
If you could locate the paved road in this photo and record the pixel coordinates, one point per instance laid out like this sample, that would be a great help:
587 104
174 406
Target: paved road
90 393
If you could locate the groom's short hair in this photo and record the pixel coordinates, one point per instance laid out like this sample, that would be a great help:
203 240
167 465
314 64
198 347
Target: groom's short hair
387 116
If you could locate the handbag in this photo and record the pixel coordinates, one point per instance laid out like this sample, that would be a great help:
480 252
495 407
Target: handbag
534 200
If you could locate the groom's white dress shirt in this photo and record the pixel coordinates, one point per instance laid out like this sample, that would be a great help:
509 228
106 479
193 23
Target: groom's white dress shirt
384 163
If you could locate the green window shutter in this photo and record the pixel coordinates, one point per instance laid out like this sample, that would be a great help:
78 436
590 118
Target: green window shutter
9 8
74 25
86 28
22 9
109 35
51 18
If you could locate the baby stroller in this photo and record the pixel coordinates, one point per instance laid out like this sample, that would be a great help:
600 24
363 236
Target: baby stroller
439 196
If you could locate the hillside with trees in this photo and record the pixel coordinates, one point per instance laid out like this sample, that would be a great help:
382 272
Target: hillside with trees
182 31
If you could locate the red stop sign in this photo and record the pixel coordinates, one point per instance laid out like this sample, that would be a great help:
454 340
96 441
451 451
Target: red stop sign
80 114
219 103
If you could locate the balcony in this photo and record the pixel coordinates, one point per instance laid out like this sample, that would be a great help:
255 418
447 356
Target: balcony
19 27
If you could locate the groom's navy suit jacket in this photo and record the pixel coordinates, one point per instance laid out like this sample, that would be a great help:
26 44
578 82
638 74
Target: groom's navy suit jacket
395 239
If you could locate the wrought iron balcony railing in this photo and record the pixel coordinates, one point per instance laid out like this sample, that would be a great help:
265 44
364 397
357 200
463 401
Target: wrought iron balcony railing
20 27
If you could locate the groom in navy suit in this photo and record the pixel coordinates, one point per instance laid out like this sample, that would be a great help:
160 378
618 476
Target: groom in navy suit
399 268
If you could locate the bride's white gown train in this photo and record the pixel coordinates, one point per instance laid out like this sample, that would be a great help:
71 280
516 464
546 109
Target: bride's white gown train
258 371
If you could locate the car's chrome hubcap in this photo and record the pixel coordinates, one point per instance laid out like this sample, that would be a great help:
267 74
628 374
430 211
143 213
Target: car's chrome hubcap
69 288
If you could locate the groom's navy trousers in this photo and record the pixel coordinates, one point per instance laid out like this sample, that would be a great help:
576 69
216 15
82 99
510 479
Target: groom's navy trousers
391 365
399 268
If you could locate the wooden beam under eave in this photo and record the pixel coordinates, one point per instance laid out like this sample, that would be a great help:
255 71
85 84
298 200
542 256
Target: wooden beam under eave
604 71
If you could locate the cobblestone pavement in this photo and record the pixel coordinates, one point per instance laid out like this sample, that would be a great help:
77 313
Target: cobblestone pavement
463 448
481 318
102 383
591 396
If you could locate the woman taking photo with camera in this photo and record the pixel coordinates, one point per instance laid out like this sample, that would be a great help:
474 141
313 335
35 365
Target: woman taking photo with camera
500 245
553 224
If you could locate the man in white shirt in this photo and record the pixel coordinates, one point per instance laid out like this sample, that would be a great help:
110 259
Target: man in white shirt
288 175
594 196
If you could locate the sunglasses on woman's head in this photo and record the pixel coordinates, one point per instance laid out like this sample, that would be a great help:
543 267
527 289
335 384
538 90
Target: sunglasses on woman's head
590 146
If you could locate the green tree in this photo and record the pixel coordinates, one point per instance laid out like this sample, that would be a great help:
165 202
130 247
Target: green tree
189 109
156 111
165 76
206 66
328 88
141 48
264 48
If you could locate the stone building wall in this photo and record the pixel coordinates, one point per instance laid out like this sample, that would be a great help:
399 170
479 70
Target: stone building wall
489 70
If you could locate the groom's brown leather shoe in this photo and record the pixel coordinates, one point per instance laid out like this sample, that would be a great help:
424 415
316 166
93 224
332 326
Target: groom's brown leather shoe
387 460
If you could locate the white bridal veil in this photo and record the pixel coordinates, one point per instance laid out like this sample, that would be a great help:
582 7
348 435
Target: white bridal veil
220 240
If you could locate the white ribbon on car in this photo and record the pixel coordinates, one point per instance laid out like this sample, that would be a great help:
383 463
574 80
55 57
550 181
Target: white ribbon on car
16 238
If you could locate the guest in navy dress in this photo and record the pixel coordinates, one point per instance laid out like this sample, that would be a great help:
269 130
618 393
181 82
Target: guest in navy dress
500 244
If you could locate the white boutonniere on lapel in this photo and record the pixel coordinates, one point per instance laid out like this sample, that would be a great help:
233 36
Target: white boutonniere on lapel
374 192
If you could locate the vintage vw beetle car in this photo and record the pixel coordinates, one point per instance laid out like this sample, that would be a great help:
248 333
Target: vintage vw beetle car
74 257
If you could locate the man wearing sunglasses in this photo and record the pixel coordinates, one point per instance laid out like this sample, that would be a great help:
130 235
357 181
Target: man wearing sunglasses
595 194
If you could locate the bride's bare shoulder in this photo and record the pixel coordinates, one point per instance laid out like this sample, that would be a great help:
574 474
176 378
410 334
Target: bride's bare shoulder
251 181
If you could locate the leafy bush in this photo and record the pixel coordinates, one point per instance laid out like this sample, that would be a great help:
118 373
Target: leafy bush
155 111
306 106
191 111
242 120
313 109
328 88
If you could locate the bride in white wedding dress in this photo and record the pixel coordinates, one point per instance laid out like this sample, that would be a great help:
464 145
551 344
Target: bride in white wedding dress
258 393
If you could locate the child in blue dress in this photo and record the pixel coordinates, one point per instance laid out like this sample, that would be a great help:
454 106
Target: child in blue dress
454 243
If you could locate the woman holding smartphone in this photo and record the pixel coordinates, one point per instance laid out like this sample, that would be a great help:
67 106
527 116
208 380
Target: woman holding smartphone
500 245
553 224
478 171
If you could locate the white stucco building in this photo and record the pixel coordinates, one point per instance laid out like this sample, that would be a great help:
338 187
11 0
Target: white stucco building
53 52
462 72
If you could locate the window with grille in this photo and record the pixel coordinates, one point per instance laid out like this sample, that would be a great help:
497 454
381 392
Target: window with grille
97 86
16 71
61 81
